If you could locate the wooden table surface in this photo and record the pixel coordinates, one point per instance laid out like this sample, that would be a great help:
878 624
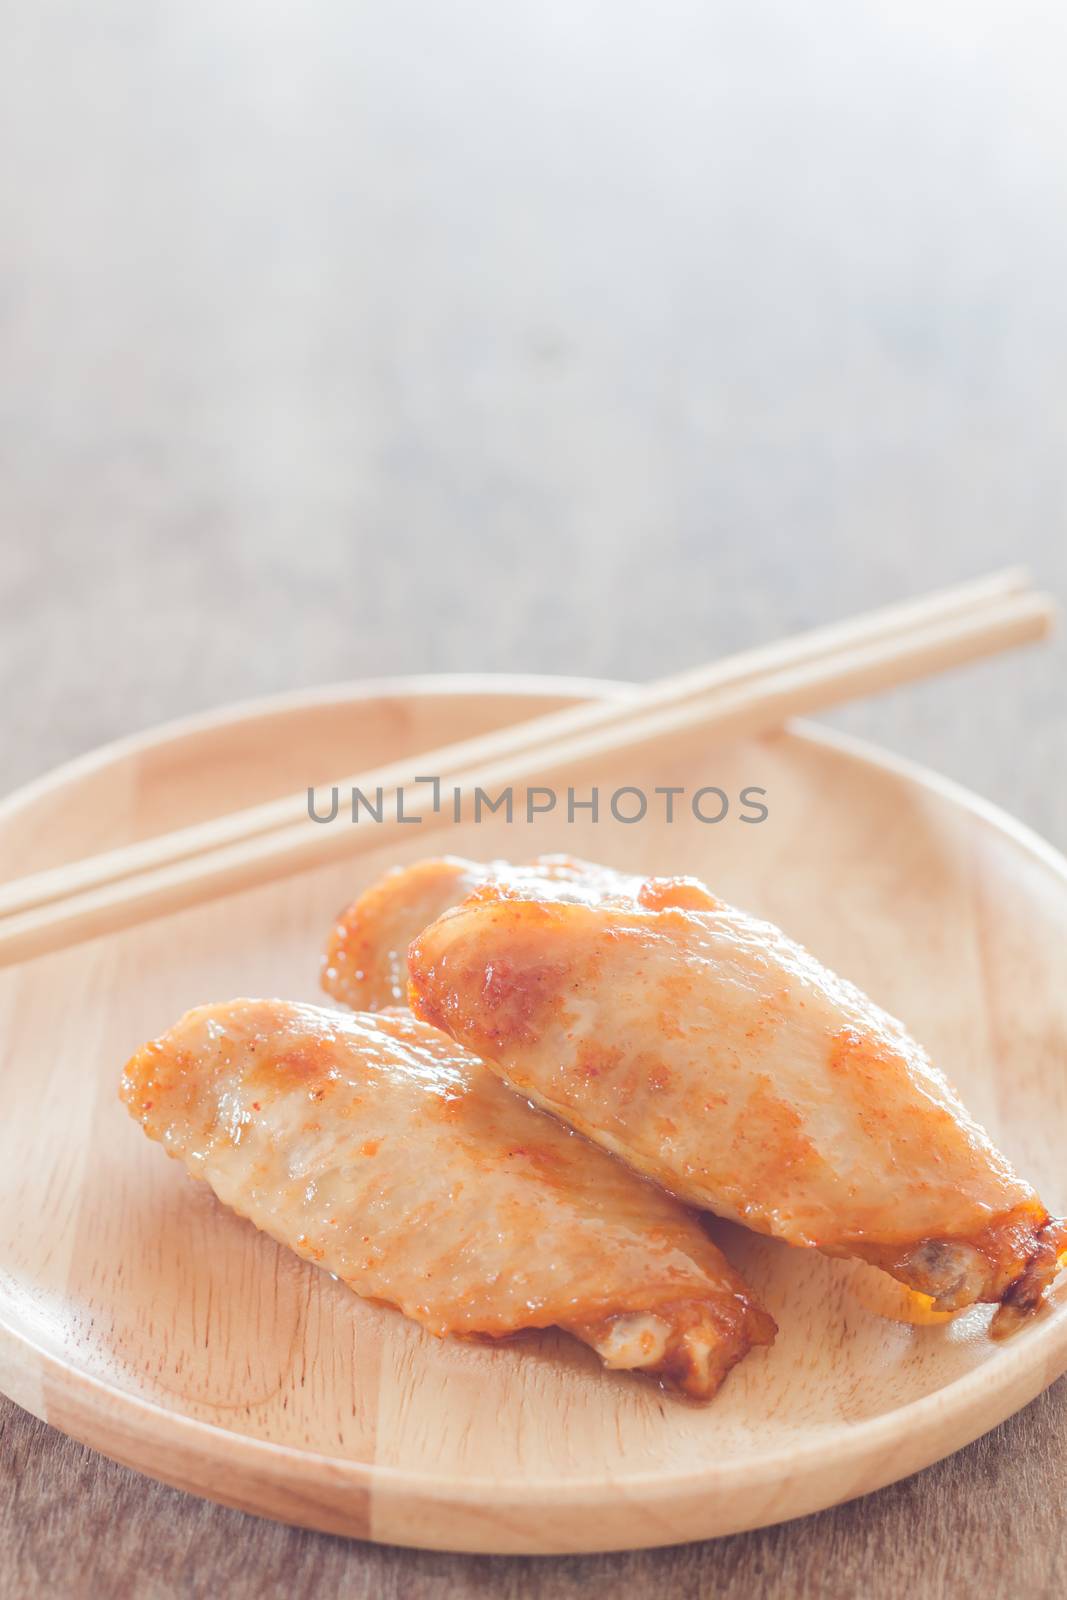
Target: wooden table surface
349 339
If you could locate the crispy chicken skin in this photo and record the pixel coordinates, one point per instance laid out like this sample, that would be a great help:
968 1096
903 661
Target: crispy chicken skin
380 1149
716 1056
365 961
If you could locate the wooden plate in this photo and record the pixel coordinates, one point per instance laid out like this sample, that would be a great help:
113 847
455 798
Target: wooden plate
138 1315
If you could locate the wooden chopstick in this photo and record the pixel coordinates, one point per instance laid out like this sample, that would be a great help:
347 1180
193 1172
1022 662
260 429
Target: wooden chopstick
969 599
753 694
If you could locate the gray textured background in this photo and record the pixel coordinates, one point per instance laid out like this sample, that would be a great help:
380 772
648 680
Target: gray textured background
344 339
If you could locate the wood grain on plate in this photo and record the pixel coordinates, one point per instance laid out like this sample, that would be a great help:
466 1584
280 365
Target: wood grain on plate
137 1314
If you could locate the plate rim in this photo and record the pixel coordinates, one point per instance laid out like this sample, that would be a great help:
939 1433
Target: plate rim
1023 1370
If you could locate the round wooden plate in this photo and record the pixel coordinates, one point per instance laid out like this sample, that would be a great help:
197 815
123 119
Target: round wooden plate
139 1316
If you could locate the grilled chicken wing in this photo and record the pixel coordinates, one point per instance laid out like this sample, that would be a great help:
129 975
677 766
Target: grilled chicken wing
365 961
380 1149
719 1058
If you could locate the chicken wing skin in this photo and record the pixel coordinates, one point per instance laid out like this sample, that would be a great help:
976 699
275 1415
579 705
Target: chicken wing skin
388 1154
718 1057
365 961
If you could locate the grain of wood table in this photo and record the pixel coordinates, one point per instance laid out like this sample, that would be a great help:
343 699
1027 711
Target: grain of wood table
343 340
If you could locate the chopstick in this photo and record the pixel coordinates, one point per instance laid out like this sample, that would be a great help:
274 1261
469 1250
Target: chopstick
109 866
747 694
